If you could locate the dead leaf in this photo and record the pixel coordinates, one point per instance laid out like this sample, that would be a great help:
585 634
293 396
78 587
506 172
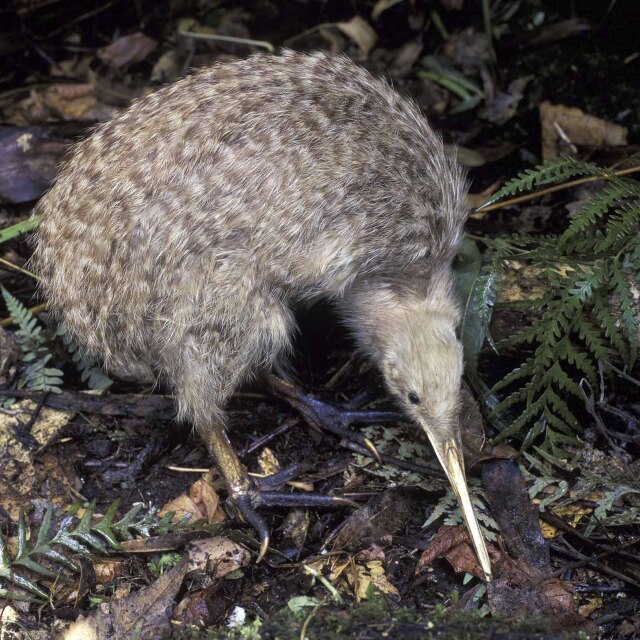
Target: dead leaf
504 105
127 50
107 571
361 32
357 579
468 49
202 502
204 495
463 559
205 607
404 58
445 543
145 614
518 594
381 6
71 101
592 604
181 506
268 462
563 127
216 557
465 156
374 552
362 578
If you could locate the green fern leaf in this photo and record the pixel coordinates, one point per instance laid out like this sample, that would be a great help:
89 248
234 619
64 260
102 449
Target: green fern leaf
610 328
589 213
621 225
90 371
555 170
623 280
593 339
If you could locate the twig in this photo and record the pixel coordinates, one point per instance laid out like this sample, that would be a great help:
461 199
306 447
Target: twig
216 37
594 561
553 189
22 270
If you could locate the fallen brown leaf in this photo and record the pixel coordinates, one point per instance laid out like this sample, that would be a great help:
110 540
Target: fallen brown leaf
145 614
127 50
563 127
216 557
445 541
71 102
202 502
361 32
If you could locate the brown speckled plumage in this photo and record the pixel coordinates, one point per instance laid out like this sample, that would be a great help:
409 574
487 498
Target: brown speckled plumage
179 234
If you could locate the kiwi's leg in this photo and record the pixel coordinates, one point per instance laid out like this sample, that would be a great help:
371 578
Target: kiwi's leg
216 332
246 494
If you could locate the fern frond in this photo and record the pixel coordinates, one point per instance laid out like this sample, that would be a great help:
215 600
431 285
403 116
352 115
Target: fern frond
446 503
610 327
623 284
589 313
90 371
34 374
555 170
23 577
622 223
28 326
38 377
589 213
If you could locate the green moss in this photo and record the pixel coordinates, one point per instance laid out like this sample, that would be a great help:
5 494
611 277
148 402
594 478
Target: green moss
377 619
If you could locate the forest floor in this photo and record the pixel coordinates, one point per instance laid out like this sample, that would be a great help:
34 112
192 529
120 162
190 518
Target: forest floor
87 478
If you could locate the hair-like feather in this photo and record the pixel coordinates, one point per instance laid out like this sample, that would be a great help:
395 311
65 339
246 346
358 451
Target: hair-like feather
179 234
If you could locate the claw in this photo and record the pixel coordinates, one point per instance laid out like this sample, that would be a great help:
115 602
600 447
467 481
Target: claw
372 450
264 546
243 503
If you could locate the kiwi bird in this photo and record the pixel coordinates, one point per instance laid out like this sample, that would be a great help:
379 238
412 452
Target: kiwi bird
179 236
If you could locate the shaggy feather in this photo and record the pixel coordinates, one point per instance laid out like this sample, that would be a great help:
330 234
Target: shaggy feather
179 235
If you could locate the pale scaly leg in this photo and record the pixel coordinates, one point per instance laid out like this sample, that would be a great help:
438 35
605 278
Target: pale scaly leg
219 348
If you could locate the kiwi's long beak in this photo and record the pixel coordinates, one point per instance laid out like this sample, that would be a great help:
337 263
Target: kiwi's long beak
449 453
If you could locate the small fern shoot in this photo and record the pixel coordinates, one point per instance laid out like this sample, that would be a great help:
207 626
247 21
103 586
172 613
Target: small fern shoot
90 371
35 374
37 565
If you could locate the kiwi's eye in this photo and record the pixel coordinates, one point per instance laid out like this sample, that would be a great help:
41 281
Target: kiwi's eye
413 397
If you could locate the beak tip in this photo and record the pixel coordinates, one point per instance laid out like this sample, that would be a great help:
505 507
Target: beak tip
450 457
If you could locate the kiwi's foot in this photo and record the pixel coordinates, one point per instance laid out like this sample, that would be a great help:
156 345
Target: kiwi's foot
332 417
336 419
254 497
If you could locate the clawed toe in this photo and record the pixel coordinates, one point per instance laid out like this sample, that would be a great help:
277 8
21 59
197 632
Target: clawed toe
245 506
331 417
247 503
283 499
